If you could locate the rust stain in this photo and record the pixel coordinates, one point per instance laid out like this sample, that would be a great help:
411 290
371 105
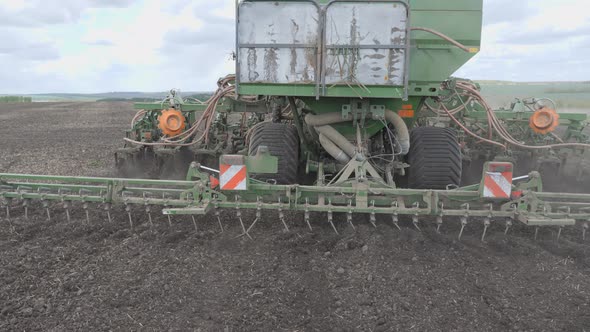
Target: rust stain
310 60
271 65
376 56
252 59
293 62
352 60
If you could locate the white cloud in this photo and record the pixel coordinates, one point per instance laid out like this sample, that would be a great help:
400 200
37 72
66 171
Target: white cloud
34 13
14 6
543 41
107 45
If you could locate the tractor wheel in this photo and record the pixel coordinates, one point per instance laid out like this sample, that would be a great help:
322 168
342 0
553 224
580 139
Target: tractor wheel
282 141
435 158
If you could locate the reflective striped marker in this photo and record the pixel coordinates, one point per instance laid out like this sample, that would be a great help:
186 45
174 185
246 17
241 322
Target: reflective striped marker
233 177
497 183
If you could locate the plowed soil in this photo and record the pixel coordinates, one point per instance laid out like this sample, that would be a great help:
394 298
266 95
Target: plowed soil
60 276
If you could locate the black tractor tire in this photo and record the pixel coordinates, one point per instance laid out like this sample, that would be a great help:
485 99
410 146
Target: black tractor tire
282 141
435 159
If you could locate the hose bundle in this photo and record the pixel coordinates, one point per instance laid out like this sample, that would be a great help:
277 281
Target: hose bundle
495 125
199 131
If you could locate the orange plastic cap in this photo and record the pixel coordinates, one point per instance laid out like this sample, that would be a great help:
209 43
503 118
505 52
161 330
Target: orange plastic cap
171 122
544 121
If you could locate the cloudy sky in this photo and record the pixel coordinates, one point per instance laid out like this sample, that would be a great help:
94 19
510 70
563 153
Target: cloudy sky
151 45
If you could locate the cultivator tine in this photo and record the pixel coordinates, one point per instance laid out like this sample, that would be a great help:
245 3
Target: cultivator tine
567 210
247 232
415 222
282 216
439 218
239 215
508 226
373 220
349 215
395 215
148 210
396 222
463 224
373 216
284 222
306 214
107 208
66 206
244 227
439 222
331 220
349 219
415 219
584 230
464 219
217 215
168 217
26 206
46 207
395 219
85 207
258 217
220 224
195 224
8 204
487 222
486 225
128 210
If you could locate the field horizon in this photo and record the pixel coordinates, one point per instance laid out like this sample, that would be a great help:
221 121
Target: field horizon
566 94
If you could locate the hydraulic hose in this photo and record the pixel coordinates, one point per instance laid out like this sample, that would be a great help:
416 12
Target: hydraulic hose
334 150
443 36
323 119
498 127
338 139
403 134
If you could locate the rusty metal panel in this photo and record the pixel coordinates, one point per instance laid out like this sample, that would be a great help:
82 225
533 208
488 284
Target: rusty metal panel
365 43
278 42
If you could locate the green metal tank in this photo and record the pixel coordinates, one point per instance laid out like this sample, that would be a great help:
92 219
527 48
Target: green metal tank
353 49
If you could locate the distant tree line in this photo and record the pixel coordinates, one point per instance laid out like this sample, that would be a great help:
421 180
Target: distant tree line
15 99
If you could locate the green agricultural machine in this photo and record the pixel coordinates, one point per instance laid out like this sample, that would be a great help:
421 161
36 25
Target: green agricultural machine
343 107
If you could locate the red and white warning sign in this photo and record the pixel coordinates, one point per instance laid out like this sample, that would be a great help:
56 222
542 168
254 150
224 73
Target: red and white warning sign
233 174
497 181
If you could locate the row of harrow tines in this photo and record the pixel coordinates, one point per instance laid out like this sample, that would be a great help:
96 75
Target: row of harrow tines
20 193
